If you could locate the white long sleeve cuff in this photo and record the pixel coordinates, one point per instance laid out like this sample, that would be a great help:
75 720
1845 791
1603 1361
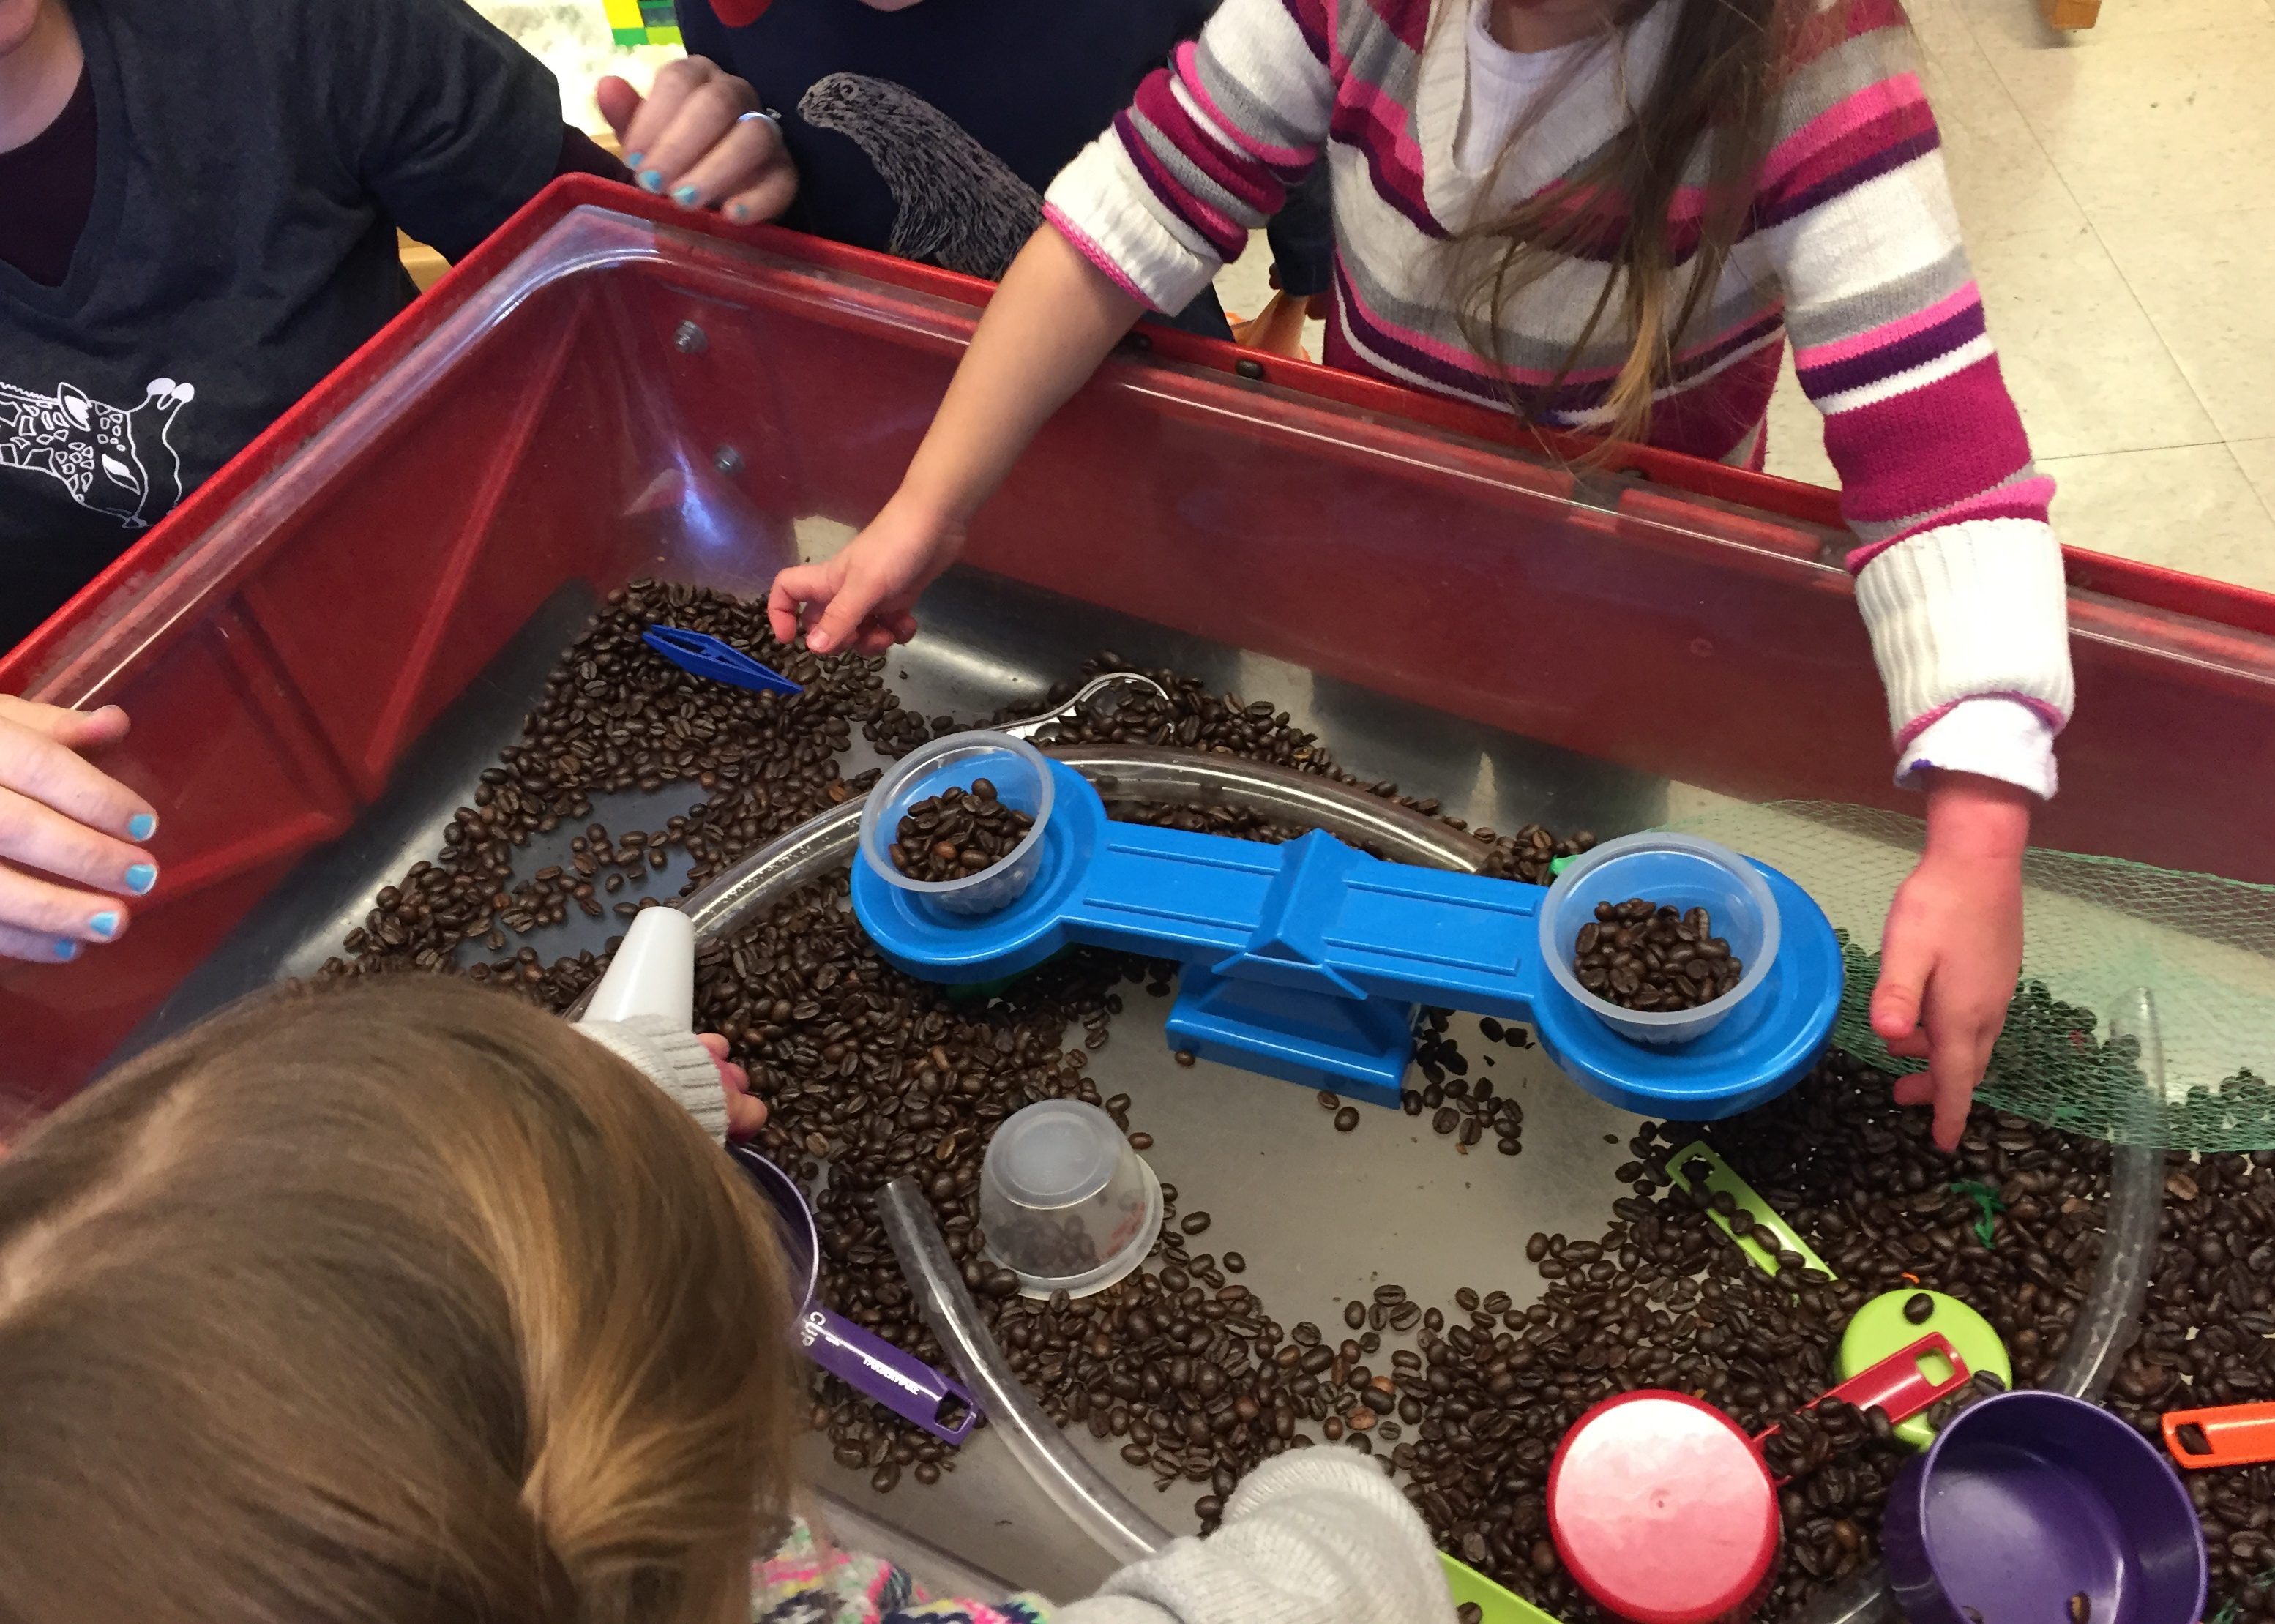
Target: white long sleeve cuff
1314 1536
1975 609
673 1059
1998 738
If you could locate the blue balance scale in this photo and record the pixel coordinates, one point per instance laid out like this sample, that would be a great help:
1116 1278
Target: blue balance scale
1305 961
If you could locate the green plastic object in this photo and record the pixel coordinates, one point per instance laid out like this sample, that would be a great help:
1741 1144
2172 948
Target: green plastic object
1500 1605
1880 1328
1755 1210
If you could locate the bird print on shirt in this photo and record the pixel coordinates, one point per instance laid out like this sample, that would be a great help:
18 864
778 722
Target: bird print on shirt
956 205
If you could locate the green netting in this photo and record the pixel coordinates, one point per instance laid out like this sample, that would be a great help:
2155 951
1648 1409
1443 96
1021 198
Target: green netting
2183 960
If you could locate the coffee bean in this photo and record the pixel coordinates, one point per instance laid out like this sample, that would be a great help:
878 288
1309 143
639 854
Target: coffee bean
879 1076
1346 1119
1919 1308
1328 1101
1647 957
2081 1608
1193 1223
1355 1314
1234 1263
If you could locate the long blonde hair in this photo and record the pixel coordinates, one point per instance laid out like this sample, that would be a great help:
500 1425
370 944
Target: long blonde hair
397 1302
1708 120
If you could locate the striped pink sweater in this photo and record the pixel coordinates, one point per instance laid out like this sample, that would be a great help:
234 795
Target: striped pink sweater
1852 246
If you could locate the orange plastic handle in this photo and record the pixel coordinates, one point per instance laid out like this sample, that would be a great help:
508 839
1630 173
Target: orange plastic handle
2239 1435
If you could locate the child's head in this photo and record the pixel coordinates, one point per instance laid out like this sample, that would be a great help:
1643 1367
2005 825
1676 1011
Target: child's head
404 1302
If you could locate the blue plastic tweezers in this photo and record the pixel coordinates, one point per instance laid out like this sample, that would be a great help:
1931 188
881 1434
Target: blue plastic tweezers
701 655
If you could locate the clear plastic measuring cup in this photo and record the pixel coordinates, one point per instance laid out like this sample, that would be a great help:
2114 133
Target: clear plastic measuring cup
1066 1205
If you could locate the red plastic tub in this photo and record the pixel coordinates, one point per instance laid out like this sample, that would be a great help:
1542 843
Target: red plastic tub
544 416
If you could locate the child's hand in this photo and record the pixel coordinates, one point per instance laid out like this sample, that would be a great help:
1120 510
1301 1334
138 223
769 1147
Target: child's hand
1954 944
699 138
61 821
747 1113
860 598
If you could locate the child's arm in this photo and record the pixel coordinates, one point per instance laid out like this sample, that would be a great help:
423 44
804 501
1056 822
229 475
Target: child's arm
1142 218
1055 317
1957 571
1315 1537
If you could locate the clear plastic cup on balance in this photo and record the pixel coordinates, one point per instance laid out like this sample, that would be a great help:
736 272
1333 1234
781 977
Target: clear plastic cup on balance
1674 870
1022 779
1064 1202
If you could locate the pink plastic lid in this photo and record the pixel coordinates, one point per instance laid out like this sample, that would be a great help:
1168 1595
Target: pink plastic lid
1663 1510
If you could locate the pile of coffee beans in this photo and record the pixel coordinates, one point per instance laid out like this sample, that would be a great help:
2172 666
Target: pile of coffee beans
1642 955
955 834
2208 1339
1188 1369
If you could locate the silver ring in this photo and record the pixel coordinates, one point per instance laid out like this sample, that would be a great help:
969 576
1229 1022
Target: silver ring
766 113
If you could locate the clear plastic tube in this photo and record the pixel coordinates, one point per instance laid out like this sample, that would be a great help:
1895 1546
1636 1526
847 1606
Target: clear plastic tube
1099 1509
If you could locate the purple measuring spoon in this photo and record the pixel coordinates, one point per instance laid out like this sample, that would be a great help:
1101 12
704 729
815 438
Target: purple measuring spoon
873 1366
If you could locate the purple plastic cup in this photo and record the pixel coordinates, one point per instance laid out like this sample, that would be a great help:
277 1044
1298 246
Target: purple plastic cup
2029 1499
870 1366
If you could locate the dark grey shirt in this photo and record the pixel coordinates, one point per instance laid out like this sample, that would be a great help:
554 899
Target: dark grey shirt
253 159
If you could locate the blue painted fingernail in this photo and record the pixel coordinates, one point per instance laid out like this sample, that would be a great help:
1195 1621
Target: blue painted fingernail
653 179
740 211
105 924
140 828
139 878
67 951
633 160
685 197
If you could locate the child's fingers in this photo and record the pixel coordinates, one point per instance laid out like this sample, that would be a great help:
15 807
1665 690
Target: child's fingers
1956 1064
774 190
37 765
739 162
701 121
795 590
1911 1046
620 105
41 838
72 729
41 908
841 620
37 946
872 640
1916 1088
1902 987
674 83
746 1115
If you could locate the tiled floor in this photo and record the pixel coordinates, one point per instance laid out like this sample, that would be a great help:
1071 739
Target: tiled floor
2117 190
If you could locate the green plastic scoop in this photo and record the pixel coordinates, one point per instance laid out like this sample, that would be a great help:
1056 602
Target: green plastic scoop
1500 1605
1752 1211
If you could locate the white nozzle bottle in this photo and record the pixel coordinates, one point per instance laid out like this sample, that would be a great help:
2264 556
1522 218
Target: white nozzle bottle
643 1009
654 972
